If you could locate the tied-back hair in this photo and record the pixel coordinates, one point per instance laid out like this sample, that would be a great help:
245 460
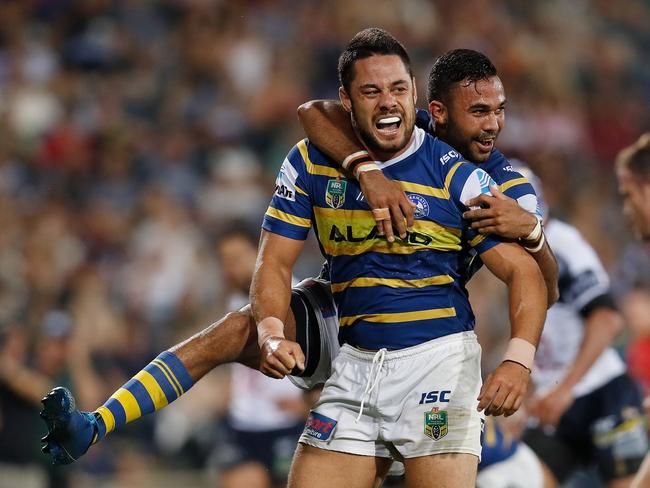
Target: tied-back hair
369 42
455 66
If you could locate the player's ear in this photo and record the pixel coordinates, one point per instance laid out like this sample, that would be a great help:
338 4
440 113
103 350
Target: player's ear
345 99
438 112
415 90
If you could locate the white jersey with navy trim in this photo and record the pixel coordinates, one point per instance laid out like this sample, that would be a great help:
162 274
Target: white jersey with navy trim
582 279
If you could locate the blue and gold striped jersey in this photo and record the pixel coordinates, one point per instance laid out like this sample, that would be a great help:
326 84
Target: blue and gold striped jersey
391 295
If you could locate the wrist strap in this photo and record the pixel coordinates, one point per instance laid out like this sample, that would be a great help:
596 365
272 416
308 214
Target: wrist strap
520 351
537 247
269 327
358 162
534 234
356 157
366 166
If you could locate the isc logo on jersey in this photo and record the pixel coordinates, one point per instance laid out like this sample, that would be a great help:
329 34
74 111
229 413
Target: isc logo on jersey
285 183
445 158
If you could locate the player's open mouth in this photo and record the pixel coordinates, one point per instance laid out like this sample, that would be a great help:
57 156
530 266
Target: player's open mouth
388 125
485 144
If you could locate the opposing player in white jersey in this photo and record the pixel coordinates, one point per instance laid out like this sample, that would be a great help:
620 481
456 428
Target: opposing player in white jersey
633 175
587 408
258 448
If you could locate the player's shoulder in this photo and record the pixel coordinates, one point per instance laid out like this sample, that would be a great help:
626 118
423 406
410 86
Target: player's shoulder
443 156
304 154
501 170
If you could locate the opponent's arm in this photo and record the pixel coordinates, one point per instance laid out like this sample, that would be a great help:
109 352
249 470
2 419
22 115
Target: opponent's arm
504 217
270 296
329 128
602 325
504 389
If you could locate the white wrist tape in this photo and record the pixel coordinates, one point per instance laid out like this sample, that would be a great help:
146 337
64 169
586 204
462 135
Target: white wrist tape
269 327
537 247
520 351
369 166
354 156
535 233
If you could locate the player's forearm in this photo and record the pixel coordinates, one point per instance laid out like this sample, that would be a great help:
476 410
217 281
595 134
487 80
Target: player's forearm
527 301
526 289
270 295
328 127
601 328
547 263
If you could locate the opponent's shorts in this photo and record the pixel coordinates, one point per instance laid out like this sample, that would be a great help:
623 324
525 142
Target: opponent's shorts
423 401
317 329
521 470
272 449
605 428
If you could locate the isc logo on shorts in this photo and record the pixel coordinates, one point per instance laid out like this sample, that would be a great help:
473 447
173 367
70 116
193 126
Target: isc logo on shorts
319 426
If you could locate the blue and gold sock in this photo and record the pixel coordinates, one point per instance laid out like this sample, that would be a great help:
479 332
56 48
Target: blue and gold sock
161 382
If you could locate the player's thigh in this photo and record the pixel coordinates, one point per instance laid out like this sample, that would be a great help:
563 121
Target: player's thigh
320 468
247 475
451 470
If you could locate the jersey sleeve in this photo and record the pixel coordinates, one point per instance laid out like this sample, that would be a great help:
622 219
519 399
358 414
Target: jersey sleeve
289 213
518 187
583 278
466 182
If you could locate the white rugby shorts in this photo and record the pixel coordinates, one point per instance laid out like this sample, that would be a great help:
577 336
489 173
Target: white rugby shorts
424 401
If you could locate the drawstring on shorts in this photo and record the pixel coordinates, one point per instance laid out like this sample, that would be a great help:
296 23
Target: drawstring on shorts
377 360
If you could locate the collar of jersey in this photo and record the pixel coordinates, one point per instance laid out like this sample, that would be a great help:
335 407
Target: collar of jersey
416 141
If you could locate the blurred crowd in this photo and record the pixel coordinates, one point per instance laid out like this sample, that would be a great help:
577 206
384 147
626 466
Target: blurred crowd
132 132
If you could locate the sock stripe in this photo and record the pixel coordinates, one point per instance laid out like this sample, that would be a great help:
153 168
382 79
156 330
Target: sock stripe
170 376
129 404
151 388
117 410
179 370
163 381
107 417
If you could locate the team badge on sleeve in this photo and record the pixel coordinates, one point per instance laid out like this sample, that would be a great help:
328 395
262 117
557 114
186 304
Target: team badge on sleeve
285 183
435 423
335 193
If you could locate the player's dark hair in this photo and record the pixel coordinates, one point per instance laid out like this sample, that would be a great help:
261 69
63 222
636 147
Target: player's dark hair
369 42
455 66
636 158
238 228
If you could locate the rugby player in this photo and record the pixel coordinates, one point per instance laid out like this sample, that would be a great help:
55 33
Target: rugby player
406 380
633 175
234 338
589 411
467 106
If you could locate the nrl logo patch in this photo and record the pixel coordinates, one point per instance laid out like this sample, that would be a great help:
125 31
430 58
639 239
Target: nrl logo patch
335 193
435 423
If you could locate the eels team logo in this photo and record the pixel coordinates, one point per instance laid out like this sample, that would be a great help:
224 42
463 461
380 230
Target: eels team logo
335 193
435 423
422 206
